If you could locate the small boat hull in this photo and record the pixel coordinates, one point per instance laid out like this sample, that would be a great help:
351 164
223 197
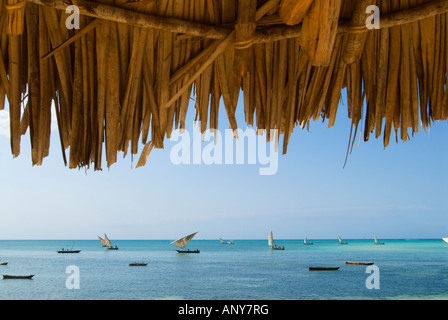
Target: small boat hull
278 248
112 248
359 263
323 268
7 276
3 263
188 251
69 251
137 264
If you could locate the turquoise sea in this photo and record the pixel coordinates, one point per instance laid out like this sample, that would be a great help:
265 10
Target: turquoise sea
246 270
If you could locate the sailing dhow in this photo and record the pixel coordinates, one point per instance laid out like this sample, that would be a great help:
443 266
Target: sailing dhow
102 241
340 241
226 242
307 243
109 244
272 243
182 243
376 241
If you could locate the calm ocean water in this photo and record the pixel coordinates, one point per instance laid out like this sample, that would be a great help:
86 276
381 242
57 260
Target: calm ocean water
247 270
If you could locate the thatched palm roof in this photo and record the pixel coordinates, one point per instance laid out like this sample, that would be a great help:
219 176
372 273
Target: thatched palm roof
125 77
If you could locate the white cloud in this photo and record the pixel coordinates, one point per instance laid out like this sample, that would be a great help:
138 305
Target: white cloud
4 121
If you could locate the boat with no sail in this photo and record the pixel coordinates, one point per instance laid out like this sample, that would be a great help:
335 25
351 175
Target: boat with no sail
8 276
138 264
323 268
69 250
359 263
182 243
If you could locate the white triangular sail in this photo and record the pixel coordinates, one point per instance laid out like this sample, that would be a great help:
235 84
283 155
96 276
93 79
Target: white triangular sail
220 239
445 239
304 241
340 240
107 241
376 240
182 243
271 239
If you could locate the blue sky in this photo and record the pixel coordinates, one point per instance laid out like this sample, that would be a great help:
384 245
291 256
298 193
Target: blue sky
397 192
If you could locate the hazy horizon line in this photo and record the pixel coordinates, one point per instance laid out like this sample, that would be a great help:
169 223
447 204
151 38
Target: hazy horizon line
227 239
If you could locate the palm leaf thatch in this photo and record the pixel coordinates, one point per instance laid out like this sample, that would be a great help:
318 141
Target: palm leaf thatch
124 78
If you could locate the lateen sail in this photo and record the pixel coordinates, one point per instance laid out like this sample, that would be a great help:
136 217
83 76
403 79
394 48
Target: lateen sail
107 241
103 242
340 240
445 239
304 241
271 239
182 243
376 240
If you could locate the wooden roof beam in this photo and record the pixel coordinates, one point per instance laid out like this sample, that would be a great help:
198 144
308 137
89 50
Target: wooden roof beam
138 19
318 37
292 12
144 20
427 10
355 43
244 32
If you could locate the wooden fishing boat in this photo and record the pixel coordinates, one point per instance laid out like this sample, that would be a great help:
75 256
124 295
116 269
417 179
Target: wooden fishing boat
359 263
323 268
68 251
7 276
376 241
188 251
137 264
3 263
182 243
272 243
